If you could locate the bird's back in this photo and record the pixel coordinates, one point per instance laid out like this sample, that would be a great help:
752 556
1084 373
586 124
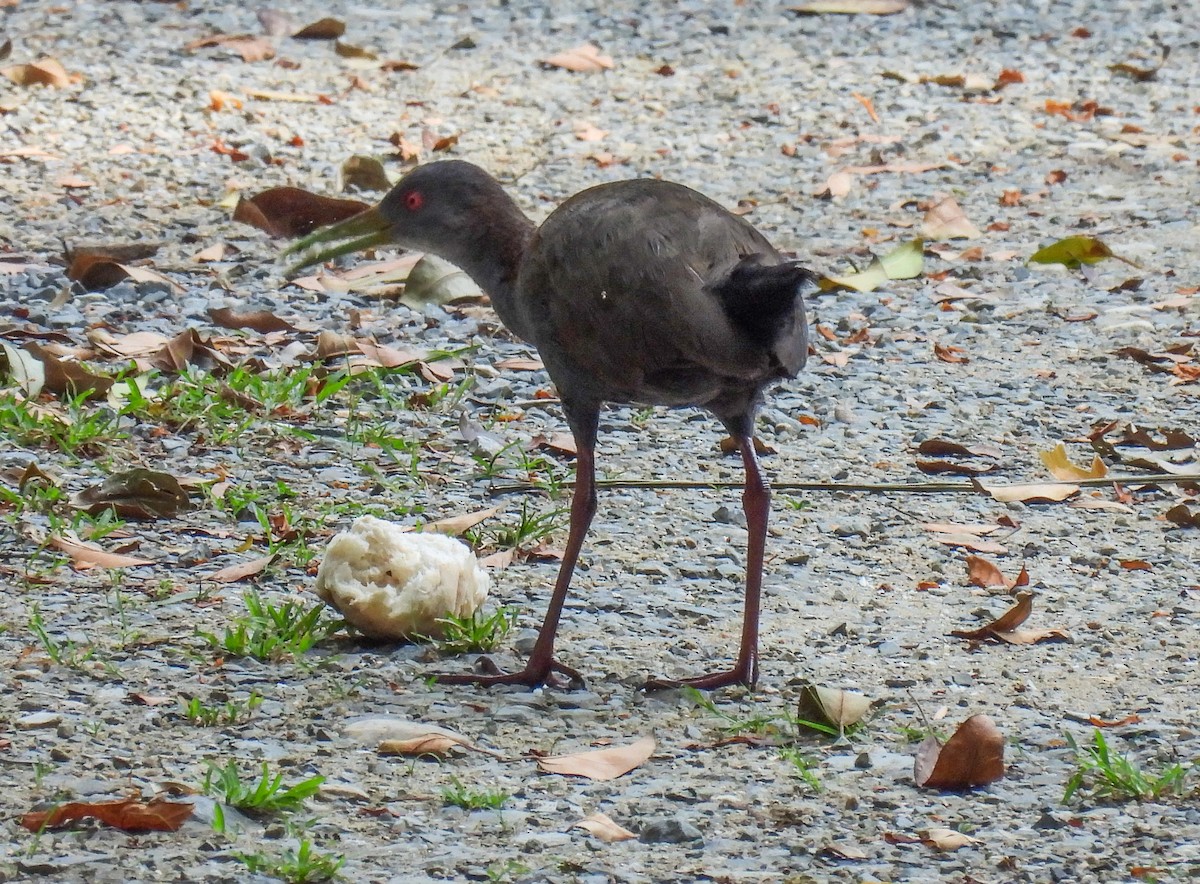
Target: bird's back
622 288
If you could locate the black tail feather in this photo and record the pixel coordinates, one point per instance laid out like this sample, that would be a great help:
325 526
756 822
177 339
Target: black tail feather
761 300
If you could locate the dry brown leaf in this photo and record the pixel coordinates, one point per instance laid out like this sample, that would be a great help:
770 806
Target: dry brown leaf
947 839
974 756
43 72
946 448
135 494
87 555
584 59
983 573
605 828
563 443
325 29
1006 627
389 357
587 132
130 815
834 706
291 211
1060 466
602 764
60 376
455 525
836 186
249 47
933 467
261 321
946 220
518 363
188 348
1036 493
128 346
953 528
242 570
215 252
971 542
950 353
438 745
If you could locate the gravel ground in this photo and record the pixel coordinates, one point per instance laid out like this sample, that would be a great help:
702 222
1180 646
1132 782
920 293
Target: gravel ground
763 106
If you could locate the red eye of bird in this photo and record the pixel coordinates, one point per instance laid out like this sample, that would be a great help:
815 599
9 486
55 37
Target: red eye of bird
414 200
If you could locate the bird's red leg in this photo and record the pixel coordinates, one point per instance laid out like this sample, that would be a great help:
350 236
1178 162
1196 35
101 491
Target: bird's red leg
756 503
541 664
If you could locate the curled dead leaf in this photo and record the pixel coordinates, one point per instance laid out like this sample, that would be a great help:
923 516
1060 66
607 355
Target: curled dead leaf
1061 468
129 815
974 756
947 220
833 706
584 59
602 764
291 211
605 828
1007 629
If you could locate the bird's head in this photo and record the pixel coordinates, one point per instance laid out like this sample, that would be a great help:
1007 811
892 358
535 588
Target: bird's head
440 207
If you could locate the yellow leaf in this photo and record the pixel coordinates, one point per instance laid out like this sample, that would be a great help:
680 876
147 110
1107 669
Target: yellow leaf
1060 466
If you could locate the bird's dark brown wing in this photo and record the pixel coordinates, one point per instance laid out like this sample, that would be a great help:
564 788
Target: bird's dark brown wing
616 286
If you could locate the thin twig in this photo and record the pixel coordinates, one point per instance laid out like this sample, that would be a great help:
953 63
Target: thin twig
868 487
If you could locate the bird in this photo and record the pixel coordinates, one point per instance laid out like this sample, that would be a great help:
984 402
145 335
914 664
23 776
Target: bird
637 291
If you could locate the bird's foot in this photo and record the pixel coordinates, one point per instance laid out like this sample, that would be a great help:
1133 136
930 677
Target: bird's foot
535 674
741 674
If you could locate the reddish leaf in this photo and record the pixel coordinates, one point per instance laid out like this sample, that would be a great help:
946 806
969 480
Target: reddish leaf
948 353
290 211
261 321
974 756
130 815
325 29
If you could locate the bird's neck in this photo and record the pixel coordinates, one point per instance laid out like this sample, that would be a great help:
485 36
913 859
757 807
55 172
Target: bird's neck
492 256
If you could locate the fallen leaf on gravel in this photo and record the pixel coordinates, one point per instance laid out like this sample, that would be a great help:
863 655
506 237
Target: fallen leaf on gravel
836 186
833 706
974 756
952 528
947 839
904 262
261 321
842 850
129 346
38 370
950 353
249 47
983 573
434 280
583 59
518 363
135 494
242 570
349 50
850 7
43 72
85 555
1006 626
1075 251
456 525
971 542
946 220
1132 718
602 764
325 29
933 467
96 272
1183 516
563 443
605 828
364 173
389 357
1036 493
215 252
25 369
129 815
946 448
387 729
1060 466
291 211
188 348
438 745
